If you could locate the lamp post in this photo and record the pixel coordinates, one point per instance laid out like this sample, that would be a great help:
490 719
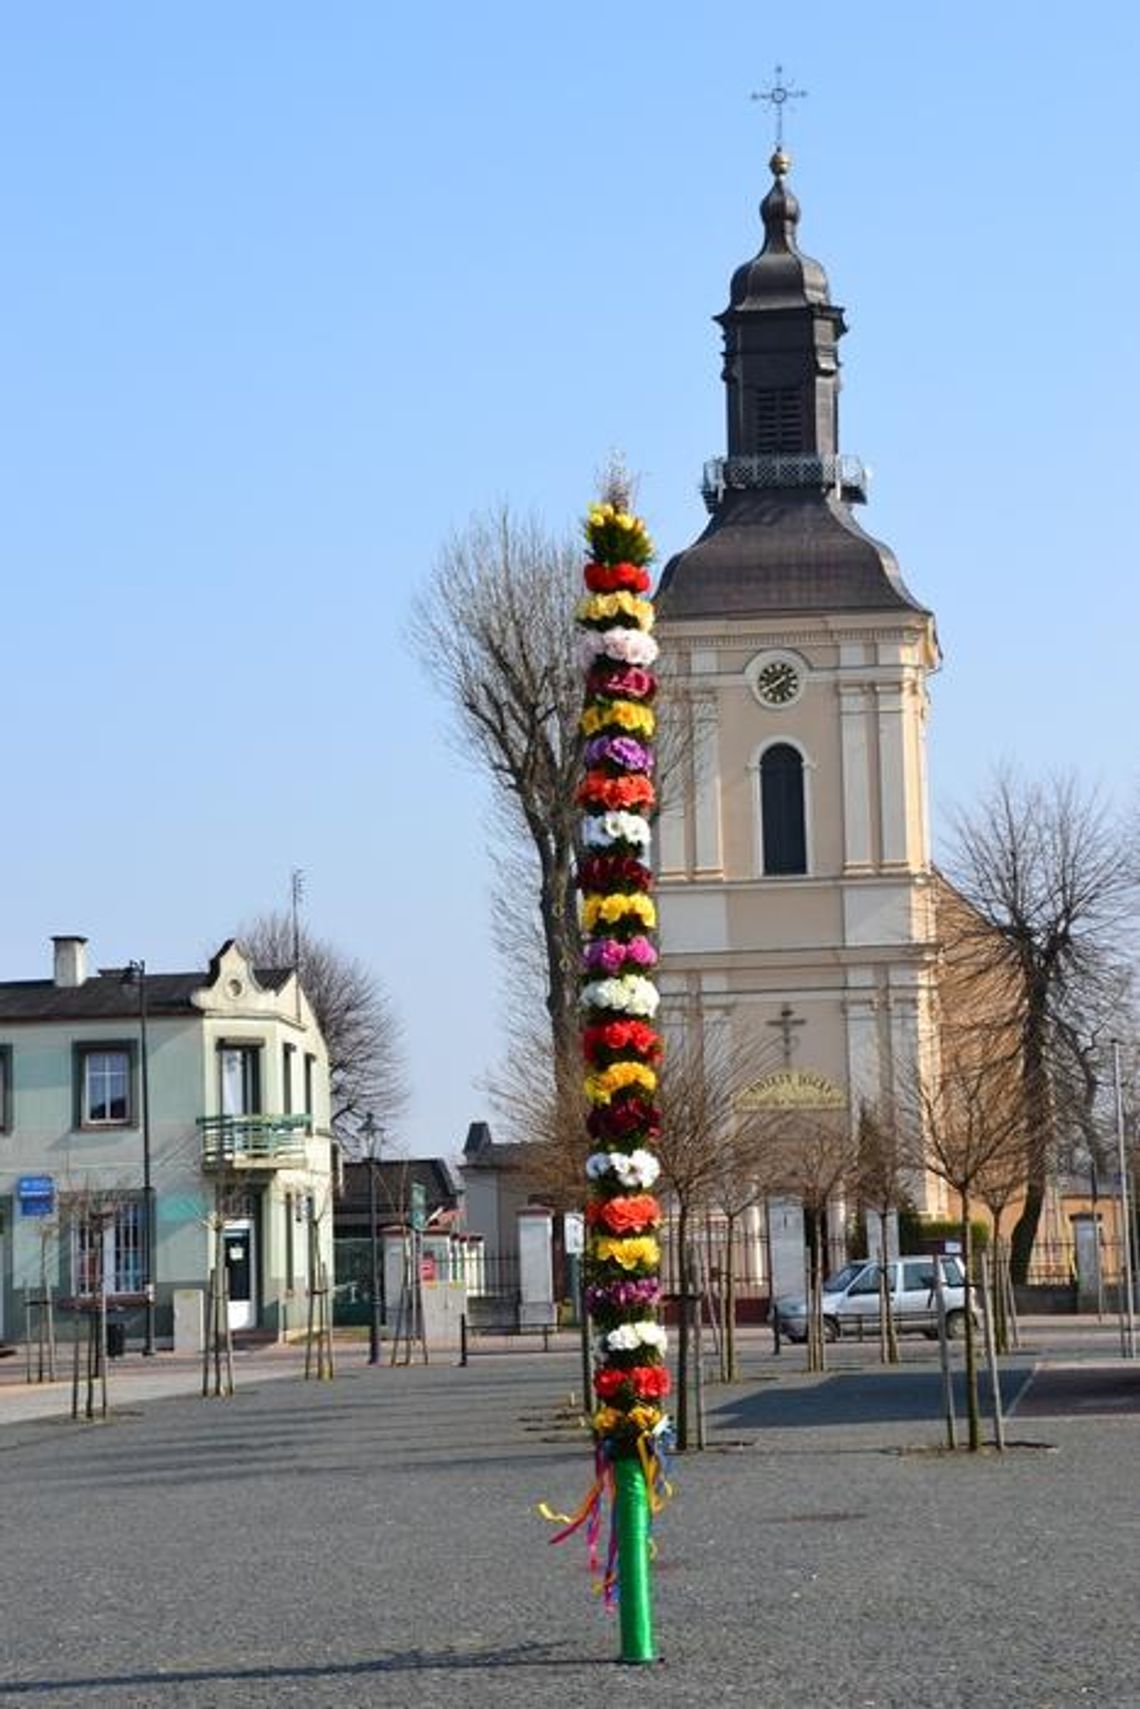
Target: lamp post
136 975
1128 1312
373 1135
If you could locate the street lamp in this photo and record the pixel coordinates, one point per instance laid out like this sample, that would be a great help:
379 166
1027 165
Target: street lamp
135 974
373 1134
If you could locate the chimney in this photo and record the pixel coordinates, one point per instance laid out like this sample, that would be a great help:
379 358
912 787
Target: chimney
70 962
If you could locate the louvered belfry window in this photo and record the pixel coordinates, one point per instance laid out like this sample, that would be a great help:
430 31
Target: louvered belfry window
779 420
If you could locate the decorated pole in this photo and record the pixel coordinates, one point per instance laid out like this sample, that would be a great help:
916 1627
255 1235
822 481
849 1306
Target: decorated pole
622 1050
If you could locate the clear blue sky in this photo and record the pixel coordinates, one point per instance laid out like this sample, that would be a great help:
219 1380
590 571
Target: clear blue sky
290 290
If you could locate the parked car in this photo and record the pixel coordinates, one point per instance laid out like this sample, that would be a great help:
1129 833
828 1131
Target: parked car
851 1299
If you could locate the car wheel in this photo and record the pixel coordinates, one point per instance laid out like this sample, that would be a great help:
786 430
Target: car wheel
956 1325
831 1329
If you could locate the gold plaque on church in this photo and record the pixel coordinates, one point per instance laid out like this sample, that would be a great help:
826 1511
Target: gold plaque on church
792 1089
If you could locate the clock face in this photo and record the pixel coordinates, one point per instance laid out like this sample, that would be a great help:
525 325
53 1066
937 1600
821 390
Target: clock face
778 683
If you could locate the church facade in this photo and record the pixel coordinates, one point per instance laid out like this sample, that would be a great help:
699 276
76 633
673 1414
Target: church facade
795 882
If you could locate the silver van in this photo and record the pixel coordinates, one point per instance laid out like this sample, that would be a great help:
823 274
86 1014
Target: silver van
851 1299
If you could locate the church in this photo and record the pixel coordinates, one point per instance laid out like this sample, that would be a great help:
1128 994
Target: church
796 890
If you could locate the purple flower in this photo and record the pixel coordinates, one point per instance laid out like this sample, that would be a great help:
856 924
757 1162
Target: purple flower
623 1295
623 751
604 954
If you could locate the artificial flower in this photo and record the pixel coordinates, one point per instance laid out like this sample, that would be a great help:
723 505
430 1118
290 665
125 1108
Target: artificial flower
607 578
646 1382
626 752
600 830
619 1037
624 1216
610 955
599 790
607 608
628 1337
629 994
627 646
623 907
621 681
615 535
617 715
614 870
622 1296
638 1252
632 1168
600 1088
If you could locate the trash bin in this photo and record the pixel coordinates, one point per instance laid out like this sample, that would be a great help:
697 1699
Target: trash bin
116 1339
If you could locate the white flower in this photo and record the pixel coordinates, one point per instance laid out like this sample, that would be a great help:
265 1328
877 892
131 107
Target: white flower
629 995
632 1168
644 1168
600 830
628 1337
628 646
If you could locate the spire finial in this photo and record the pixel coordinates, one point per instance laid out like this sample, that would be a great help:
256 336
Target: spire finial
777 97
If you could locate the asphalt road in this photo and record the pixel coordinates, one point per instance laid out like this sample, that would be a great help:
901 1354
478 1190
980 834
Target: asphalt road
375 1541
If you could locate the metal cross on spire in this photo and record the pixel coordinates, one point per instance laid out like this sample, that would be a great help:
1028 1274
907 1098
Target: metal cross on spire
777 98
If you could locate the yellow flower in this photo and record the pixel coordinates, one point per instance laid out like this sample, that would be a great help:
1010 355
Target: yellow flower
600 1088
630 1252
607 1418
645 1417
600 606
610 909
618 714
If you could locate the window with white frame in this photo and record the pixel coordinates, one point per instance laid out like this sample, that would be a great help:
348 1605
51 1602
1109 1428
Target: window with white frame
108 1247
239 1067
103 1085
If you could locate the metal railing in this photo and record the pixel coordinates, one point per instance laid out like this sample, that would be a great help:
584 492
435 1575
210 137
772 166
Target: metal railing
258 1142
843 474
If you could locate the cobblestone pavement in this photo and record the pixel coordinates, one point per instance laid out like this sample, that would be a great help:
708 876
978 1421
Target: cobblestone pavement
374 1540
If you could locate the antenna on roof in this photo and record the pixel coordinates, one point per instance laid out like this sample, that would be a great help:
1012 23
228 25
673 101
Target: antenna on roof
296 897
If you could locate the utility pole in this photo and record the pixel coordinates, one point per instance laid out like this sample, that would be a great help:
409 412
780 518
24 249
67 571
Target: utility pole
1128 1307
374 1135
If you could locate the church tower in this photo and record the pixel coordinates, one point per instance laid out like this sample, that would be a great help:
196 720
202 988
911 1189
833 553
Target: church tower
795 878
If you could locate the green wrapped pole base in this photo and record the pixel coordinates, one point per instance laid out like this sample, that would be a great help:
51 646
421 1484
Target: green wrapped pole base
635 1598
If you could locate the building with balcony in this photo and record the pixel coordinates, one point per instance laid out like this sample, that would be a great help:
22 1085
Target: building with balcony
210 1087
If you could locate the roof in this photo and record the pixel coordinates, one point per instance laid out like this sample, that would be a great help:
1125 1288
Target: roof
395 1177
767 552
109 995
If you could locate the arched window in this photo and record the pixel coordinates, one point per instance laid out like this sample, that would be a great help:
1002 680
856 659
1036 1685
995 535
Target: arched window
782 809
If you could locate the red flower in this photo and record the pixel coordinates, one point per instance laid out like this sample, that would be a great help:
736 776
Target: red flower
616 681
650 1382
621 1036
625 1119
607 872
647 1382
598 790
624 1215
608 578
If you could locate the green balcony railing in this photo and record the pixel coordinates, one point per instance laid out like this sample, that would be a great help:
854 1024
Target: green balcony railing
253 1142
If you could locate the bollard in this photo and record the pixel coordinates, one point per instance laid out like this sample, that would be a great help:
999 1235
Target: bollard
463 1338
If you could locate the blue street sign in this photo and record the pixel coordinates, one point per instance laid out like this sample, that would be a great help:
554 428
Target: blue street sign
35 1194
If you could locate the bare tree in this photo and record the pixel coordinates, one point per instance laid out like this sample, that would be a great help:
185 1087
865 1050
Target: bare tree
884 1167
495 634
968 1124
813 1155
357 1018
1043 871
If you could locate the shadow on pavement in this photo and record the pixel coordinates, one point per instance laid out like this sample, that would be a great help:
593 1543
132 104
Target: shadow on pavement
408 1661
863 1397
